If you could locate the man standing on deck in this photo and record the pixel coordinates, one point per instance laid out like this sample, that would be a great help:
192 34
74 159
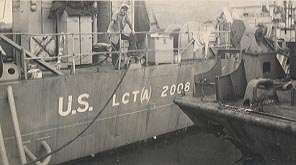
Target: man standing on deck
116 27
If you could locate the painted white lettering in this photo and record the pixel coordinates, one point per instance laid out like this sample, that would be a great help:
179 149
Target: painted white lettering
83 103
135 93
69 107
173 89
125 99
164 92
187 87
145 95
114 103
180 88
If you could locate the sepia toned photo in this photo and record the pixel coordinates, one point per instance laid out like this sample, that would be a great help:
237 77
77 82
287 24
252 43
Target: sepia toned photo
147 82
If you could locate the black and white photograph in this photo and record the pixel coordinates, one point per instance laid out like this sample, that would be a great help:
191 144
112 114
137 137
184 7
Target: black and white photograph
147 82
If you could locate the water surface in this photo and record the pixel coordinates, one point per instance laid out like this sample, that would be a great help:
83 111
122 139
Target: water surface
180 148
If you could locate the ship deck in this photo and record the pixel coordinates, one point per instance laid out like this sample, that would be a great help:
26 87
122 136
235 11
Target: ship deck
270 133
283 109
108 67
82 69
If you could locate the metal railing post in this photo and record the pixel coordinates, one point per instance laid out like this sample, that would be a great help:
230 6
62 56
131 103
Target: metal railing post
73 55
24 63
146 45
73 64
120 52
95 25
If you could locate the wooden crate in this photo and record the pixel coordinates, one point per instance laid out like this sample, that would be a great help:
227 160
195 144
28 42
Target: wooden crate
160 49
85 26
77 43
68 24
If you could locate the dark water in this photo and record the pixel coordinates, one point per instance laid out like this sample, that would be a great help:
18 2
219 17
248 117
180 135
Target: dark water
192 146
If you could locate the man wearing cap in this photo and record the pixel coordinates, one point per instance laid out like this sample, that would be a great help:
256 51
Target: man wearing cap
116 27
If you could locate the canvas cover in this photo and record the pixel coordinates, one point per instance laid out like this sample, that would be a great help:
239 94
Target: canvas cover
73 8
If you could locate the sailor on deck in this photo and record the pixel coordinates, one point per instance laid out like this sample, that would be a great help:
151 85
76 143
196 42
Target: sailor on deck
116 27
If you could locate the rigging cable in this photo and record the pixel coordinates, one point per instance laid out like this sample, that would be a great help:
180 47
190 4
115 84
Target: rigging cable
86 128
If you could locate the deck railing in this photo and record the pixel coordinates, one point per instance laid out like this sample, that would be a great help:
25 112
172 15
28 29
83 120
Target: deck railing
62 41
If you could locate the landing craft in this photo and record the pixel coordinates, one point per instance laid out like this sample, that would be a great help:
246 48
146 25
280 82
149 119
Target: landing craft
61 98
253 106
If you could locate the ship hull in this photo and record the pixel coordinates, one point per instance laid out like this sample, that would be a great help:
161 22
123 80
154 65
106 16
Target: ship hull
56 109
262 139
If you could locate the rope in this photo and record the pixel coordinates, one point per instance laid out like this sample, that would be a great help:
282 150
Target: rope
86 128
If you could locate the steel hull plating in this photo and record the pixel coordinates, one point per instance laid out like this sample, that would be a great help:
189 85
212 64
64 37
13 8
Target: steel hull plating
261 139
57 109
